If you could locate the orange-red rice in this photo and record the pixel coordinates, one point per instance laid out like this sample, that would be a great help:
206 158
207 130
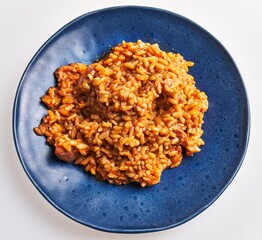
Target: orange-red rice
127 117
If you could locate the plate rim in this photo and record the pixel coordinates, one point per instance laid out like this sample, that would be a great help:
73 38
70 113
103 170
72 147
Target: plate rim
125 230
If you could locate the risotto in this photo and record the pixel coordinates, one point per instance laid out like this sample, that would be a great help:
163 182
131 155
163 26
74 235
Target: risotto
127 117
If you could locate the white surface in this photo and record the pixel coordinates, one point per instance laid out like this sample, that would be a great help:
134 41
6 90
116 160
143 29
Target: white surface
25 25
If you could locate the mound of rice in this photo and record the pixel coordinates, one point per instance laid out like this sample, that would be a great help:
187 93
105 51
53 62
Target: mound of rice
127 117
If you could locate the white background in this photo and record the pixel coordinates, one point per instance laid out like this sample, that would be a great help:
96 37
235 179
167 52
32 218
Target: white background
26 24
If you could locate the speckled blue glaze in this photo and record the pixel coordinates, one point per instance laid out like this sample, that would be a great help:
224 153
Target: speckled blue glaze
183 192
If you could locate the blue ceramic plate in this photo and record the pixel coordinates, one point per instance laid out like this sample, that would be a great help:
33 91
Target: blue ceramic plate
183 192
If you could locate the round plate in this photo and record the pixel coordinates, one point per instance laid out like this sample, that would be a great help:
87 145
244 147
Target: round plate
183 192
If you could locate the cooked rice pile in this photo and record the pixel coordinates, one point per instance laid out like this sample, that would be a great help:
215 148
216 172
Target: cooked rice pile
127 117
